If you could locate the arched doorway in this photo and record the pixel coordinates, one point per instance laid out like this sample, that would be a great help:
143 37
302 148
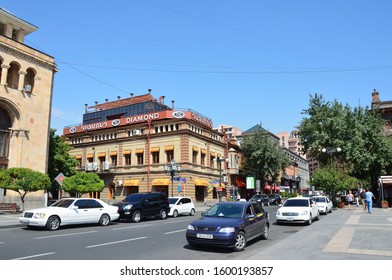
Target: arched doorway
5 124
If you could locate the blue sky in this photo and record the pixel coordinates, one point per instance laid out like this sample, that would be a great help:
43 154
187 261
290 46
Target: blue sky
237 62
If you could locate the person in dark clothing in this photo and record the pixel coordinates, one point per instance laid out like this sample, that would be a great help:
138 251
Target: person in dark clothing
363 198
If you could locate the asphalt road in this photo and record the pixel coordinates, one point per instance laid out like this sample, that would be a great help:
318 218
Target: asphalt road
147 240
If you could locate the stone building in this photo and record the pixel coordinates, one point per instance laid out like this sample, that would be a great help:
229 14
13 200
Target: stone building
26 86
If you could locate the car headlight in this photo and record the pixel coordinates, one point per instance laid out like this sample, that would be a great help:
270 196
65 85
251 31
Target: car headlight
227 230
190 227
127 207
305 212
39 215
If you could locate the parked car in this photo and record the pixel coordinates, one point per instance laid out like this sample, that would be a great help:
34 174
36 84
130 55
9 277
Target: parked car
298 210
69 211
137 206
181 206
229 224
275 199
324 203
263 199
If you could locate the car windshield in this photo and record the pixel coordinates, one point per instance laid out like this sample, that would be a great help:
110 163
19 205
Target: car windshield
257 196
172 200
65 203
225 211
320 199
296 203
135 197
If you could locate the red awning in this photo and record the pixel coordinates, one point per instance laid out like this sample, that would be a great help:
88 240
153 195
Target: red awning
267 187
239 182
275 188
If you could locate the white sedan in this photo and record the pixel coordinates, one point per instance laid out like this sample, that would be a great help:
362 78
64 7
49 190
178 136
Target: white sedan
298 210
181 206
324 203
70 211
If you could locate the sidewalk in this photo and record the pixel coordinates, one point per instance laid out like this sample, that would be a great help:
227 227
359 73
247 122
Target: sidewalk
344 235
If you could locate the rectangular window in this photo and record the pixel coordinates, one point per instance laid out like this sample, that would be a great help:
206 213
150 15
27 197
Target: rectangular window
127 159
113 160
155 157
212 162
101 162
169 155
140 158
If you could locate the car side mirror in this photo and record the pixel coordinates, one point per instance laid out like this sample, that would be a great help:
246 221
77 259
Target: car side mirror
75 207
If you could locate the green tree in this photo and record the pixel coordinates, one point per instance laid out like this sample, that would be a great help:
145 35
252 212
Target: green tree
332 181
23 181
263 157
83 182
59 160
365 152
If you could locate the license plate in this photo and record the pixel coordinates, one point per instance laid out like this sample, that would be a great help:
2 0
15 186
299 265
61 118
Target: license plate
290 219
24 221
205 236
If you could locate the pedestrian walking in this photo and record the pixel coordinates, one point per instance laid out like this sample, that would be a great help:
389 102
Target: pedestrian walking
363 198
349 199
356 198
369 201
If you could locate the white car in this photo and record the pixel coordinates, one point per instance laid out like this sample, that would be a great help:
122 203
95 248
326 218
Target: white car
324 203
70 211
298 210
181 206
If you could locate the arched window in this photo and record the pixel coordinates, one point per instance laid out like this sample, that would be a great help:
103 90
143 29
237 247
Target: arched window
29 80
5 124
13 75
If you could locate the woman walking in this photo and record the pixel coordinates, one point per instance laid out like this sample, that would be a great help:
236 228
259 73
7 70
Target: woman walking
349 199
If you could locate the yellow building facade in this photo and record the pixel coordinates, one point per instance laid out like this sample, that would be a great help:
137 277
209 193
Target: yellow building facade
129 142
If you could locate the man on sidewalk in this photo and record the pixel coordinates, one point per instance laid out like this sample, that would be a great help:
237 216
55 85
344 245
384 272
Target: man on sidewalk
363 198
369 201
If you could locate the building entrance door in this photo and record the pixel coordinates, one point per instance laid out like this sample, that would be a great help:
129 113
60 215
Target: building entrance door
199 193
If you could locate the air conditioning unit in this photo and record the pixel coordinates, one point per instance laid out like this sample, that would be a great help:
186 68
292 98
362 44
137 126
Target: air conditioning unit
27 88
136 132
225 179
106 165
89 166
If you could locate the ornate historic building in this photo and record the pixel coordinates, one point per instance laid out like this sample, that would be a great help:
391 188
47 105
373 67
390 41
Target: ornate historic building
26 83
133 142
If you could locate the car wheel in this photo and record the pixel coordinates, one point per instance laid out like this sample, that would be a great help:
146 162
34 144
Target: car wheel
136 217
104 220
53 223
163 214
265 232
310 220
240 242
192 213
175 214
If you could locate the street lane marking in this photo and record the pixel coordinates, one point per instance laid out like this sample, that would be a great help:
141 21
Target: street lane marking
64 235
35 256
116 242
1 242
131 227
173 222
176 231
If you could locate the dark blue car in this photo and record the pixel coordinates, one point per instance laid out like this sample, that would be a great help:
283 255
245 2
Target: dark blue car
229 224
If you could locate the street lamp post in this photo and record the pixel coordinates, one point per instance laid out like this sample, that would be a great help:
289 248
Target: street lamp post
330 151
220 160
172 169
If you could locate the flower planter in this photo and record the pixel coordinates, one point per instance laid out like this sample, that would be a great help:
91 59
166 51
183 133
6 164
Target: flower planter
384 204
341 204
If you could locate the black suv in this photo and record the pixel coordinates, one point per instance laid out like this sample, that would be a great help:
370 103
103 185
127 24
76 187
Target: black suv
275 199
262 199
137 206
